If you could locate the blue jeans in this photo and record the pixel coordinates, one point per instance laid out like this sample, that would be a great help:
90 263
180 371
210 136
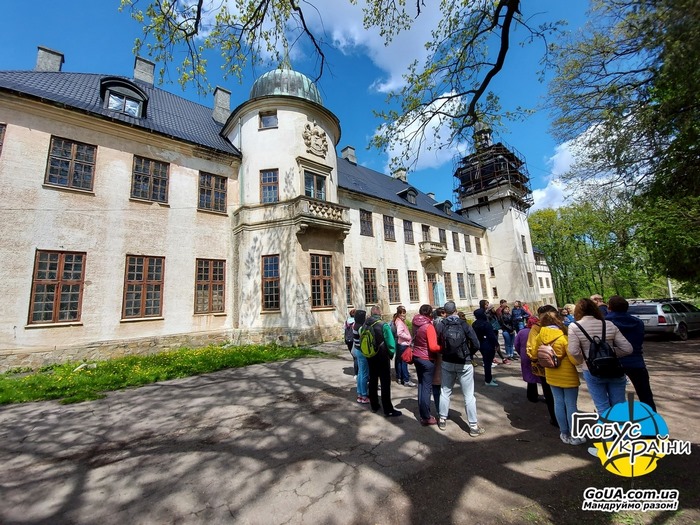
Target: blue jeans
605 392
424 371
564 406
508 343
362 372
401 367
465 374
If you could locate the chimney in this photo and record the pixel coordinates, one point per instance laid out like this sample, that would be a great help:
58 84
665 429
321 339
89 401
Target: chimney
348 153
400 174
222 105
48 59
431 195
143 70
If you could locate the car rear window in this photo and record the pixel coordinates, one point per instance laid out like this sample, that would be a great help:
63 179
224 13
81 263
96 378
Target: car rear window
642 309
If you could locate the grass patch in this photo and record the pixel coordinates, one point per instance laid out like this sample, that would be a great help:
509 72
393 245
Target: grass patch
65 383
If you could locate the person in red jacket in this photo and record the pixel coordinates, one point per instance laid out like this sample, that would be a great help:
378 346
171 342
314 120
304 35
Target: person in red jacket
425 347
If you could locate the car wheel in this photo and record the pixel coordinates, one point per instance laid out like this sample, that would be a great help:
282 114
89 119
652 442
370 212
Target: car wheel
682 332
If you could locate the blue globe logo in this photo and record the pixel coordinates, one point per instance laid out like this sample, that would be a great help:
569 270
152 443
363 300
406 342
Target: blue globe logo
618 459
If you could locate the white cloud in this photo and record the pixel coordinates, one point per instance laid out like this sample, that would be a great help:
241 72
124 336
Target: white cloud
555 194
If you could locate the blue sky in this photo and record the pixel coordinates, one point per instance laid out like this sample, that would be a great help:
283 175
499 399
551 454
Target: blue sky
96 38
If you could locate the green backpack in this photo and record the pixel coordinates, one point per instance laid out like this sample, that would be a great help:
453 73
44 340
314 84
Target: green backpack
367 346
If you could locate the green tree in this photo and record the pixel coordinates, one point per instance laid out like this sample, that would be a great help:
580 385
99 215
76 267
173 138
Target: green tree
626 94
593 248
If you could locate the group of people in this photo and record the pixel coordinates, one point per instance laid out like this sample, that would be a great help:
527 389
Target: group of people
444 344
570 339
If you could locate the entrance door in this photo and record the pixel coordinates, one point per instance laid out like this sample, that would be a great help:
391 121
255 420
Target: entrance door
432 280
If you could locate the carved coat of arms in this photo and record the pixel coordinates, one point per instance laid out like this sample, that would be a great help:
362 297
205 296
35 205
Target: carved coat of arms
315 140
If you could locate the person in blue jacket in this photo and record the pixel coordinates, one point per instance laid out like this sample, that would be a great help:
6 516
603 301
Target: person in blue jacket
633 330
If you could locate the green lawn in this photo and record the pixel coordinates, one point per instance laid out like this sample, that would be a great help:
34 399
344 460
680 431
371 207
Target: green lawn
69 384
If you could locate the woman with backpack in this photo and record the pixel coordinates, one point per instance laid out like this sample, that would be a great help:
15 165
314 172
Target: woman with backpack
605 391
350 338
562 379
425 347
487 343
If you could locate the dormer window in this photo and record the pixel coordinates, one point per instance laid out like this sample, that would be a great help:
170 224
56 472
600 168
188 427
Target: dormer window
122 96
409 194
124 104
445 207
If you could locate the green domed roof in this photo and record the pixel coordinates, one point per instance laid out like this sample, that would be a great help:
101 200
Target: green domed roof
285 82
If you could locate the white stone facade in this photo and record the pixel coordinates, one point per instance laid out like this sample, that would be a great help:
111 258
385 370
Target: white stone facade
107 225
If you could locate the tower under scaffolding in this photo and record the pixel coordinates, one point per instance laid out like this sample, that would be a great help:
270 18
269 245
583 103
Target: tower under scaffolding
493 174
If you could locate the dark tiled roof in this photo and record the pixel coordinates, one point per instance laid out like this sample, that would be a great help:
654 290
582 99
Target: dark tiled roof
368 182
167 114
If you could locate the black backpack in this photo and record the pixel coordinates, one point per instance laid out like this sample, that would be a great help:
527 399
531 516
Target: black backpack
349 334
601 359
454 340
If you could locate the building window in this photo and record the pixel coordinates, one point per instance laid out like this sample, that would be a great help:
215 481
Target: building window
314 186
467 244
269 186
477 245
366 223
209 287
268 119
541 282
524 243
494 290
348 285
389 234
460 286
492 271
2 135
529 279
443 236
150 180
321 281
426 232
482 200
411 196
413 286
143 287
71 164
123 104
370 275
212 192
484 288
392 277
271 282
408 232
472 285
448 286
455 242
549 285
57 287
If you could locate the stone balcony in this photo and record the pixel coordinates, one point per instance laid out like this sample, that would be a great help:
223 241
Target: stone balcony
432 250
302 212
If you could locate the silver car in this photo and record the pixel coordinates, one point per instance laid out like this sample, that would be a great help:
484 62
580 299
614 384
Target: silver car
666 316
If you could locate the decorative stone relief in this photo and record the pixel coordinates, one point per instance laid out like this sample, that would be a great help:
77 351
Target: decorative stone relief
315 140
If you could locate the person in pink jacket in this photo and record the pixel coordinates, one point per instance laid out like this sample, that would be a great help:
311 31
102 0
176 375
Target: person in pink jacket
425 347
403 340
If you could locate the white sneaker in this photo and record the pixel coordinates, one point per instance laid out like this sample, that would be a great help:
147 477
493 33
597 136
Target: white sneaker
494 365
577 441
492 383
593 451
565 438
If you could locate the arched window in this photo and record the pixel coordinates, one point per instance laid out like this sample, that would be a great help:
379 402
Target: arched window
123 96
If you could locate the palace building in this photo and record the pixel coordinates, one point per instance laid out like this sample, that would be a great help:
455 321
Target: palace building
134 220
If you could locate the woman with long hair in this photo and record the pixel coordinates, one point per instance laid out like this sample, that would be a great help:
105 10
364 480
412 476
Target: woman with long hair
563 380
605 392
